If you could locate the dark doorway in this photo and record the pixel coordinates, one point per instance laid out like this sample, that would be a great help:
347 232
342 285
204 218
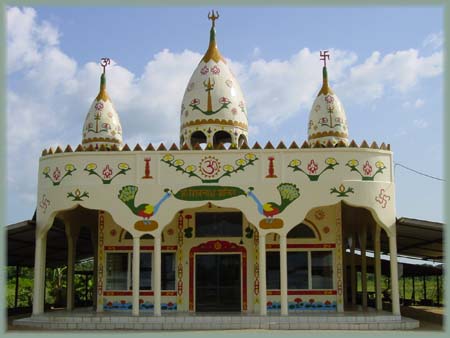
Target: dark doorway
218 282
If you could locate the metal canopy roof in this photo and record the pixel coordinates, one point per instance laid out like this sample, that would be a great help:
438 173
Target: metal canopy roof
415 238
421 239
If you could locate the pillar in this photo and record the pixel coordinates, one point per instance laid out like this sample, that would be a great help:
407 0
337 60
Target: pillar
72 233
377 261
94 241
395 297
413 296
353 269
16 291
283 275
262 275
363 244
39 273
136 275
157 275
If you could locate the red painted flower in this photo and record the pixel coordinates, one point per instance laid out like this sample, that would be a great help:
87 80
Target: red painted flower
195 102
215 70
106 126
141 301
113 232
329 98
204 70
367 168
224 100
269 303
56 174
99 106
324 120
326 230
312 167
107 172
123 301
298 300
169 304
311 300
327 302
234 111
109 304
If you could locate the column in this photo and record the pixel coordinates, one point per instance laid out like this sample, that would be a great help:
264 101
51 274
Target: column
395 297
377 261
283 275
136 274
16 291
157 275
72 232
39 273
363 244
94 241
353 269
262 275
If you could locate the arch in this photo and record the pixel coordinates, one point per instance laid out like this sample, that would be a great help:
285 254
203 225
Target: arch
242 139
198 137
223 137
303 230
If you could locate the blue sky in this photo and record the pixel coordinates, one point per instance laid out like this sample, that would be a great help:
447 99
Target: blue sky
386 66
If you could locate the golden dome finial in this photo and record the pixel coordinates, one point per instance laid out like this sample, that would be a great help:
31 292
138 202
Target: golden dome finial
324 56
213 17
213 52
102 95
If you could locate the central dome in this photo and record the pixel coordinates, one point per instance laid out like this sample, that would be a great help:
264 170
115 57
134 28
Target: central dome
213 110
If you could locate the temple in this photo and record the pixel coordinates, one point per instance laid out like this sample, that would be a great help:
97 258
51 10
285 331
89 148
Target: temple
216 225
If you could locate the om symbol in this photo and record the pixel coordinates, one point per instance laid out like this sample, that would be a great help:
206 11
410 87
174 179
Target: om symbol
209 166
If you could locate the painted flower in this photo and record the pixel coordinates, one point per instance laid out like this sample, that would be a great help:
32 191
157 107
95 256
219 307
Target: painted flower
195 102
323 120
178 163
228 168
295 163
190 168
91 166
338 120
204 70
352 163
168 158
329 98
311 300
331 161
250 156
46 170
109 304
241 162
234 111
215 70
113 232
99 106
224 100
269 303
141 301
106 126
367 168
69 167
169 304
56 174
380 165
327 302
312 167
298 300
123 166
107 172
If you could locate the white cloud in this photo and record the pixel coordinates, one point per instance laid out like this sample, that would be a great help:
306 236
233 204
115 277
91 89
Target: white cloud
416 104
434 40
399 71
420 123
419 103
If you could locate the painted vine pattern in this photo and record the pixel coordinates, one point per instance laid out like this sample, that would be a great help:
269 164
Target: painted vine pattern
312 167
107 172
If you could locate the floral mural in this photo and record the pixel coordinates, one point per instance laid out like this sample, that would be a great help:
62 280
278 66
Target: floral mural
107 174
312 168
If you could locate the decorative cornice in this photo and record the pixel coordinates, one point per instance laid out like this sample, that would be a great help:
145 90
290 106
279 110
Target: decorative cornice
327 134
100 139
215 121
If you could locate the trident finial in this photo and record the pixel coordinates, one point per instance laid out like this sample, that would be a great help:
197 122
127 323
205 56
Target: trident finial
324 56
104 62
213 17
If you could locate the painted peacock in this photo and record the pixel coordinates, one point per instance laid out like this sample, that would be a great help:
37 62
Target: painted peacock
128 194
288 193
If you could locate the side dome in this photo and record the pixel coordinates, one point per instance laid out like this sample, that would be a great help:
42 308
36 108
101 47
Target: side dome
102 124
213 110
327 119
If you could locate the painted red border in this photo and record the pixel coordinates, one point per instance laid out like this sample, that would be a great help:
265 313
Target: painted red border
141 293
302 292
218 246
142 247
304 246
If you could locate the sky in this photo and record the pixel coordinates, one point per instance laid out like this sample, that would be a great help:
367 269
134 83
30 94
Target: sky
386 66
